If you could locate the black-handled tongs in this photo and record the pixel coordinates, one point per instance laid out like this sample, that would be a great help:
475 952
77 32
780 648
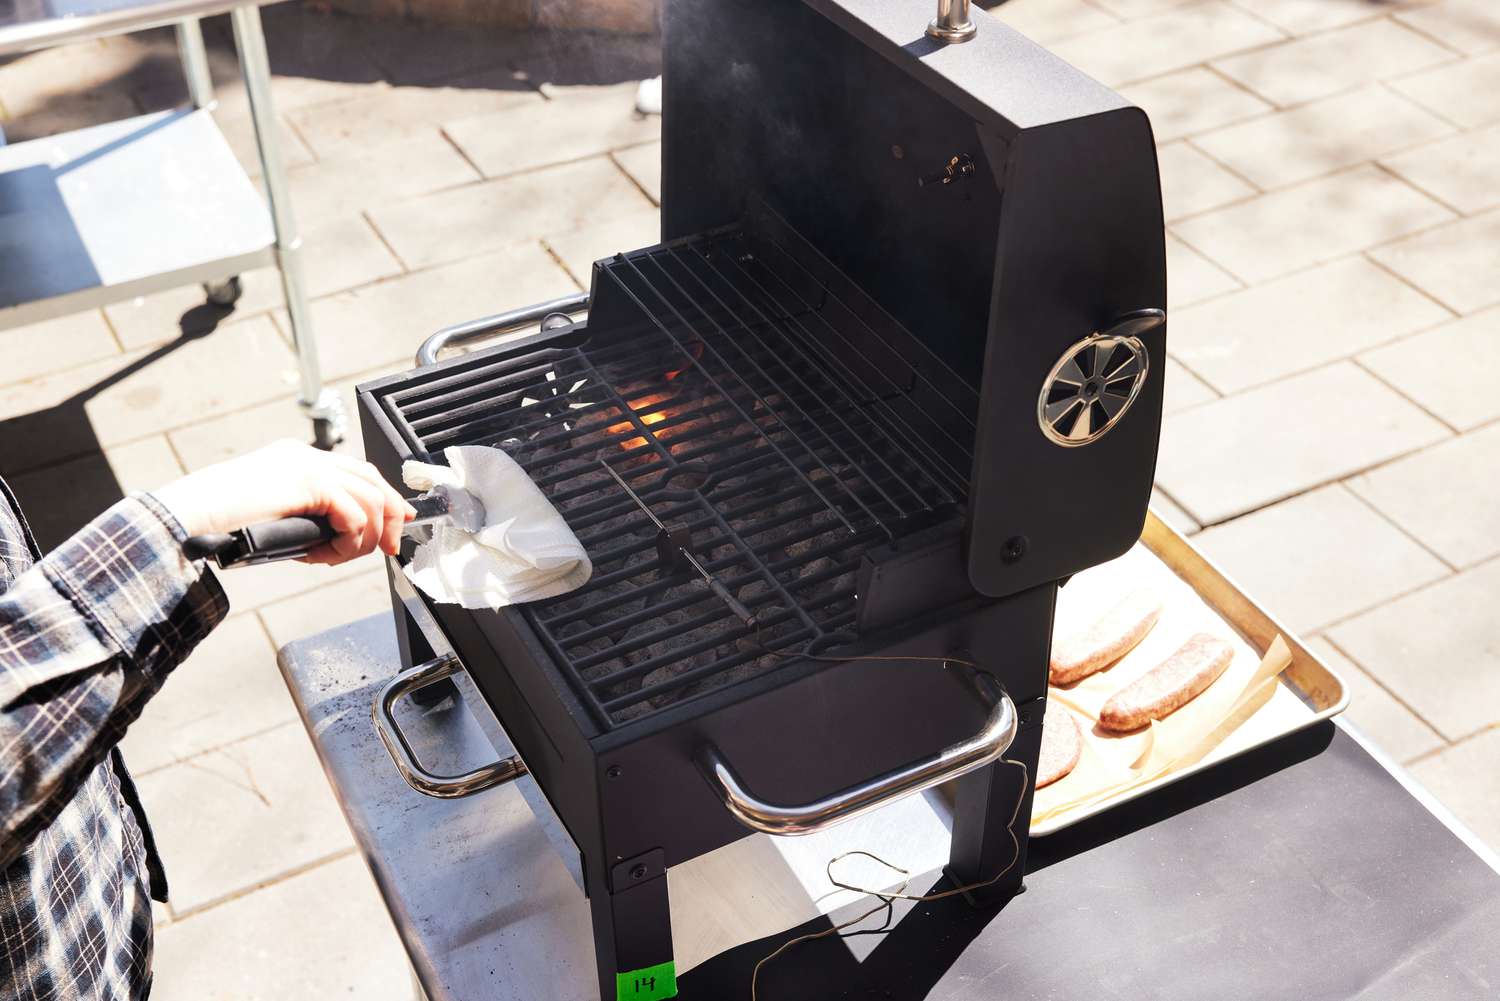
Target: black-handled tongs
290 538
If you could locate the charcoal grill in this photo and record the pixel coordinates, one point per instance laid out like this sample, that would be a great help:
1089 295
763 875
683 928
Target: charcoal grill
893 374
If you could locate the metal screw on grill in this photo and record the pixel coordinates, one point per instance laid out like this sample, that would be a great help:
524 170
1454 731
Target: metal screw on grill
613 771
1014 549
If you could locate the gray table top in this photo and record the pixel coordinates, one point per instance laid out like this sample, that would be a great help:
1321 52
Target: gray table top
34 24
1309 869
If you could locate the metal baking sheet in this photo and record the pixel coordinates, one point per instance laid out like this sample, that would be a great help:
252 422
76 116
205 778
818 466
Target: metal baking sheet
1317 685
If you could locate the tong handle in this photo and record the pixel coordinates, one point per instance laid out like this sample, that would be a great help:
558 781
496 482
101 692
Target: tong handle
264 542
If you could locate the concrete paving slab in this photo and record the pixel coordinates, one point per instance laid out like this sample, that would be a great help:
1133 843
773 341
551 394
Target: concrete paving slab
118 400
224 692
1451 371
321 934
54 345
1243 452
242 816
1460 171
1376 711
1191 101
344 185
67 87
1310 223
1470 26
385 323
1466 93
1447 496
1457 264
233 117
344 128
1048 21
151 320
1299 322
1320 557
220 438
578 249
251 588
1172 513
362 594
533 135
1184 389
1300 17
1463 777
1306 69
643 165
1192 182
1132 9
1438 650
454 224
1175 39
60 499
1319 138
1191 277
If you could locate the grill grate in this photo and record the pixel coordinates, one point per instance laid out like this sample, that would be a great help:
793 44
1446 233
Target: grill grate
746 404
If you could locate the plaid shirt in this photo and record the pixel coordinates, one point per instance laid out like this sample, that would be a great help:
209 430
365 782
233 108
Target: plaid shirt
87 635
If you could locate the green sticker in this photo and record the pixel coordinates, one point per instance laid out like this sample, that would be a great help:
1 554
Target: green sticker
659 981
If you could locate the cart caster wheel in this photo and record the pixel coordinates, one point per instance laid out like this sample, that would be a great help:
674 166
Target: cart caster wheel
224 293
326 433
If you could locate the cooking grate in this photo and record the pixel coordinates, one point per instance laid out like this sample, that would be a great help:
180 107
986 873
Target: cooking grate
783 427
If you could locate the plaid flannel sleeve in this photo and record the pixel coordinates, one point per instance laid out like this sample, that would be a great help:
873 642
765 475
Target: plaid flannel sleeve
87 635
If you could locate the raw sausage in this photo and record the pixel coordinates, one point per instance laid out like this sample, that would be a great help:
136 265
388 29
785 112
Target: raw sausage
1062 745
1169 685
1114 635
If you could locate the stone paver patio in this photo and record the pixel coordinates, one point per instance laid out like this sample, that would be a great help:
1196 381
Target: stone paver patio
1331 173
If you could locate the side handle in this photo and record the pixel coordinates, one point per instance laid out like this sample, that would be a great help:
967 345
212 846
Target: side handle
993 739
412 770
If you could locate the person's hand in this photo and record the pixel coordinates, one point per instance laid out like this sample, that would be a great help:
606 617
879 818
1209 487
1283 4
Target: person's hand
290 478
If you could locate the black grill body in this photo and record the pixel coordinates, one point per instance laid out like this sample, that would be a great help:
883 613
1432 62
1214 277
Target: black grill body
825 383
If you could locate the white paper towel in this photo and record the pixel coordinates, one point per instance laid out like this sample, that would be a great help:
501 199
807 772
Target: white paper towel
525 552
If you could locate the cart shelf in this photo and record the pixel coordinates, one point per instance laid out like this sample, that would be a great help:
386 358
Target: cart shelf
124 209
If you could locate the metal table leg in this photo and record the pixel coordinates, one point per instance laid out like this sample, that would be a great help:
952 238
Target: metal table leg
194 56
319 403
200 87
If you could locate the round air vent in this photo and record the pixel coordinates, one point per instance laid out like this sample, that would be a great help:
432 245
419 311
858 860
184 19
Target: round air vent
1090 388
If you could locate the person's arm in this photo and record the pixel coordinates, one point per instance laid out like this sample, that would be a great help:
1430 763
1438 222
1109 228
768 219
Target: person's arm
90 632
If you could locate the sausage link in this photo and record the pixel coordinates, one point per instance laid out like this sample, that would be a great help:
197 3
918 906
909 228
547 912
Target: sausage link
1111 637
1169 685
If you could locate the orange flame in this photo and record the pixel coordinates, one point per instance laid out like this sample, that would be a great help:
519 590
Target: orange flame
696 350
647 418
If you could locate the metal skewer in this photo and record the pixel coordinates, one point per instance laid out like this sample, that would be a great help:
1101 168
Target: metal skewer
740 611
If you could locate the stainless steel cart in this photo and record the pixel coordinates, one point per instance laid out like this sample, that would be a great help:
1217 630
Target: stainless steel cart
132 207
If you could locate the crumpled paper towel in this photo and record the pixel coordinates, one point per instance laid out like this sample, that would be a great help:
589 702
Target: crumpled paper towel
525 552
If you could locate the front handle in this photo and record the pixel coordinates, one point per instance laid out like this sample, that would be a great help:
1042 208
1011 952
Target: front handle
416 776
958 759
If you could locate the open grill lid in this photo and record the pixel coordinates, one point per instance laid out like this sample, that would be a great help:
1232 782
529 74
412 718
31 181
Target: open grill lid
1002 216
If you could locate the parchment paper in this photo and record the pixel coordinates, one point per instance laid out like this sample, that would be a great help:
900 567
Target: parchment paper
1245 705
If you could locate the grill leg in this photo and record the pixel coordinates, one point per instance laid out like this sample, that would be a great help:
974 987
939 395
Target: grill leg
986 800
414 650
632 938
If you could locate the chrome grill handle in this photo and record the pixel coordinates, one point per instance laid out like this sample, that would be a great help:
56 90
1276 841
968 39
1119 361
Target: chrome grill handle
396 745
986 746
550 314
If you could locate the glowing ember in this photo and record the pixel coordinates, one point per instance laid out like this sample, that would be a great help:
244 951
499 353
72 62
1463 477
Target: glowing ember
647 418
